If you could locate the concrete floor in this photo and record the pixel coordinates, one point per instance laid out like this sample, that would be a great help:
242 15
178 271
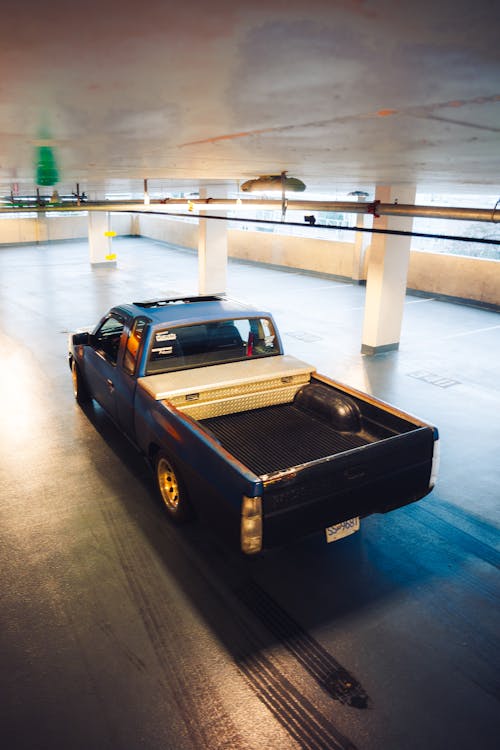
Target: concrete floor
119 630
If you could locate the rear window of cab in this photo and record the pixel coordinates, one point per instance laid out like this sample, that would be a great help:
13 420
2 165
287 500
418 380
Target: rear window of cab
215 342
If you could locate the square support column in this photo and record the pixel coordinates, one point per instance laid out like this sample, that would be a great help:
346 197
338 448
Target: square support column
212 250
361 242
100 239
387 274
42 228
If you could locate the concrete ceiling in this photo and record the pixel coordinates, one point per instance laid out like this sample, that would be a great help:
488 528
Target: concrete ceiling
343 94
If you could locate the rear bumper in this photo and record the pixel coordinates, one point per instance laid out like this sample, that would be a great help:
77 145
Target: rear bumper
374 479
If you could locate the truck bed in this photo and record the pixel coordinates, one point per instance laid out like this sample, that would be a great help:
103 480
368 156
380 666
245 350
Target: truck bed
278 437
320 422
274 415
349 457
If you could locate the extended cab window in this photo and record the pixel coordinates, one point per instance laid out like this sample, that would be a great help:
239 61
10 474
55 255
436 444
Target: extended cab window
107 337
211 343
133 343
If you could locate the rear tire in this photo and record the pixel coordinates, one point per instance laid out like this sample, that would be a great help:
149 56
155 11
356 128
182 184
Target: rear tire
79 387
171 489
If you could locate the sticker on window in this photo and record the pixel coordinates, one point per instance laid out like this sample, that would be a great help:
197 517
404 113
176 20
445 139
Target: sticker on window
165 336
269 341
161 351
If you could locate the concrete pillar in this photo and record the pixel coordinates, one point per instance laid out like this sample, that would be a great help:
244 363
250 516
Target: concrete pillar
361 242
212 249
41 228
100 239
386 278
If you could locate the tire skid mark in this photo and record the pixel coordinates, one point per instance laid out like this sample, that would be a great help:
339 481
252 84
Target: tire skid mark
453 534
132 657
308 727
205 719
298 715
317 661
290 707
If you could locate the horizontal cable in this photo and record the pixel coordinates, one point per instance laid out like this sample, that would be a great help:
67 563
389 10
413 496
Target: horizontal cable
371 230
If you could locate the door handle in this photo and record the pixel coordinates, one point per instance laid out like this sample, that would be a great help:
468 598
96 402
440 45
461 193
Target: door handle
110 385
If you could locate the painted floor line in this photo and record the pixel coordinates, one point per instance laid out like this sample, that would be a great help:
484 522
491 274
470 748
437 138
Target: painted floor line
419 301
471 333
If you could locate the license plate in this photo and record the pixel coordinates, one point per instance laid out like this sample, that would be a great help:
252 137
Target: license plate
340 530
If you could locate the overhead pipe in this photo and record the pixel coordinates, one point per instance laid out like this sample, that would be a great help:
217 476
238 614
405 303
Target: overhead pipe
435 212
374 208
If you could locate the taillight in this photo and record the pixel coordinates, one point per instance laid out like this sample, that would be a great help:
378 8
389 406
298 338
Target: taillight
435 464
251 525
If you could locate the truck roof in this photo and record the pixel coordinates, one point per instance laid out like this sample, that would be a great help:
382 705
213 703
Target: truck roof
186 310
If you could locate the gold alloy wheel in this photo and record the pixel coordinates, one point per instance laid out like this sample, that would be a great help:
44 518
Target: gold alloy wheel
168 484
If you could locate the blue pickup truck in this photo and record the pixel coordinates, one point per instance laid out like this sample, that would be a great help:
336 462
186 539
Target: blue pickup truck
255 442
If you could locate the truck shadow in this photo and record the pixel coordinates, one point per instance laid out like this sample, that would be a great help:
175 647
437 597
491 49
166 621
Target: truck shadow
280 598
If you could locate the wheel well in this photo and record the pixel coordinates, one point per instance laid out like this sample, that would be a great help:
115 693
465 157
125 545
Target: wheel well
153 451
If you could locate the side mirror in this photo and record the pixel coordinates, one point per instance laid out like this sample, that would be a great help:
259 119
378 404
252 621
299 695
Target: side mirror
83 338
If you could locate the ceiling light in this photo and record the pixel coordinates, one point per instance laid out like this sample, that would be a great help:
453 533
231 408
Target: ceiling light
274 182
358 193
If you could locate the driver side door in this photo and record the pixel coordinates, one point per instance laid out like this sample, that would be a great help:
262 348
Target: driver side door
101 362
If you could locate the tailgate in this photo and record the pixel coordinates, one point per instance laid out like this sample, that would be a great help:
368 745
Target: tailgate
372 478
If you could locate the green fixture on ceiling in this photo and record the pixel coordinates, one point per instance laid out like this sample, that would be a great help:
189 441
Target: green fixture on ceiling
46 167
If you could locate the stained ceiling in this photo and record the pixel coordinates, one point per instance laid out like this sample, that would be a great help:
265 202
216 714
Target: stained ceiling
343 94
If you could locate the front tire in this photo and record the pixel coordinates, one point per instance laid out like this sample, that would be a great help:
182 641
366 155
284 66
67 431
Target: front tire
171 489
79 388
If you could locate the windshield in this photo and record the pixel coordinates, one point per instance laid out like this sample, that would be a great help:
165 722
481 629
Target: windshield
183 347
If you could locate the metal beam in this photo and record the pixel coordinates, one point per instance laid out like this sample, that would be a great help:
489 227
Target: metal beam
224 204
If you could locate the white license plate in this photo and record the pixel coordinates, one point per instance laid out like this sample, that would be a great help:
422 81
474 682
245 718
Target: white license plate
341 530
